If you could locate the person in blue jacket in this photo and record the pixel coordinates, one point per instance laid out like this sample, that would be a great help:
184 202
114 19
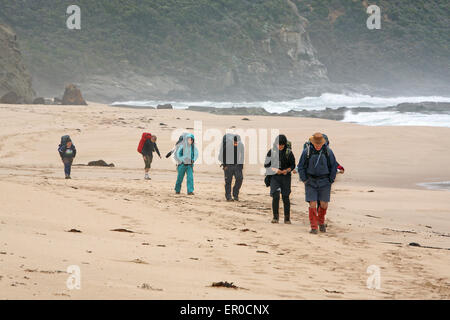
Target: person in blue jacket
186 155
67 152
317 168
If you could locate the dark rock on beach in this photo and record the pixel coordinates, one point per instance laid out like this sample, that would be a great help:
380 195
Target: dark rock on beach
10 98
100 163
164 106
39 100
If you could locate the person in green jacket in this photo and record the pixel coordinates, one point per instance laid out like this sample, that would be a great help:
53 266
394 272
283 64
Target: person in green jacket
186 155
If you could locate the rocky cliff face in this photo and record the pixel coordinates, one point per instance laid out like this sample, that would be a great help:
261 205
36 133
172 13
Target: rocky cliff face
284 64
186 49
14 77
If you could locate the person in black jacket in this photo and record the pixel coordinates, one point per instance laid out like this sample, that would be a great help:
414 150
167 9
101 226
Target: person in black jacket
317 169
147 153
231 157
67 152
279 163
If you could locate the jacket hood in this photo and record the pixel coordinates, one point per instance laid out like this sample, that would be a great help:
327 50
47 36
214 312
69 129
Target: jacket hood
190 135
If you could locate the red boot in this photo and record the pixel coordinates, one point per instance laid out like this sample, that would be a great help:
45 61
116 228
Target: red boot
313 218
321 218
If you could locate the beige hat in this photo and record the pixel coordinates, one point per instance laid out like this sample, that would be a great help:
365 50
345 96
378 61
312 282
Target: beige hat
317 139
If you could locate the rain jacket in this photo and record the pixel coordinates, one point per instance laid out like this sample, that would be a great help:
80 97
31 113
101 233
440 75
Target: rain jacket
321 164
186 153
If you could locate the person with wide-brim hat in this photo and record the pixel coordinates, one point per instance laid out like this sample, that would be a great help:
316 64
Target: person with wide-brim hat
317 168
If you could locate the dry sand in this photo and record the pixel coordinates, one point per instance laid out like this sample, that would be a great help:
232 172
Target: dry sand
182 244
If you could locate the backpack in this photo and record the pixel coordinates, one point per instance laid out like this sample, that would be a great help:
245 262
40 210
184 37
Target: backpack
288 148
309 145
145 137
64 140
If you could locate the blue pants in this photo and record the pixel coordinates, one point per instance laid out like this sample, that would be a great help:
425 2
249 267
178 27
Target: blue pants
189 171
67 165
317 190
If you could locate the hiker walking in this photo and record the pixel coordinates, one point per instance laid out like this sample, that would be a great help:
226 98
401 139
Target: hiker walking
148 148
231 157
340 169
317 168
67 152
279 164
186 155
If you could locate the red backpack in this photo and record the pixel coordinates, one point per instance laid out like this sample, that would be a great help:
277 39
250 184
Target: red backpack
145 137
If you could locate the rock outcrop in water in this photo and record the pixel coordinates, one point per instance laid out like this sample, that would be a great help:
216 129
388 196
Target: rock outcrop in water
330 113
15 81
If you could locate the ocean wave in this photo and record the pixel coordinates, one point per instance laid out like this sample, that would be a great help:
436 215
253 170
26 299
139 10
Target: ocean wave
333 101
393 118
326 100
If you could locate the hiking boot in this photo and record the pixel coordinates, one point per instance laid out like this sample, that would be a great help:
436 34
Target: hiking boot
287 221
323 227
230 199
190 194
236 198
68 177
314 231
177 192
274 220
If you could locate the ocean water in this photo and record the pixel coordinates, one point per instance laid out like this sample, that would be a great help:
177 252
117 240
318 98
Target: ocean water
334 101
443 185
398 119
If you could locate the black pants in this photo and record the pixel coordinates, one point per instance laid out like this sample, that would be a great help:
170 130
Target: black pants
280 184
230 171
276 206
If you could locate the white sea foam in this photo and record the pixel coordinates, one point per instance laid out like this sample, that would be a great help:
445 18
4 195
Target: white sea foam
334 101
398 119
443 185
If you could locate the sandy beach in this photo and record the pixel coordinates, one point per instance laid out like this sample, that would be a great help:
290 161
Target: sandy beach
178 245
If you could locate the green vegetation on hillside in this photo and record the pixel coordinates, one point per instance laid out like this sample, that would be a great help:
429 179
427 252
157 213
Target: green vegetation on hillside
204 39
162 36
412 45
